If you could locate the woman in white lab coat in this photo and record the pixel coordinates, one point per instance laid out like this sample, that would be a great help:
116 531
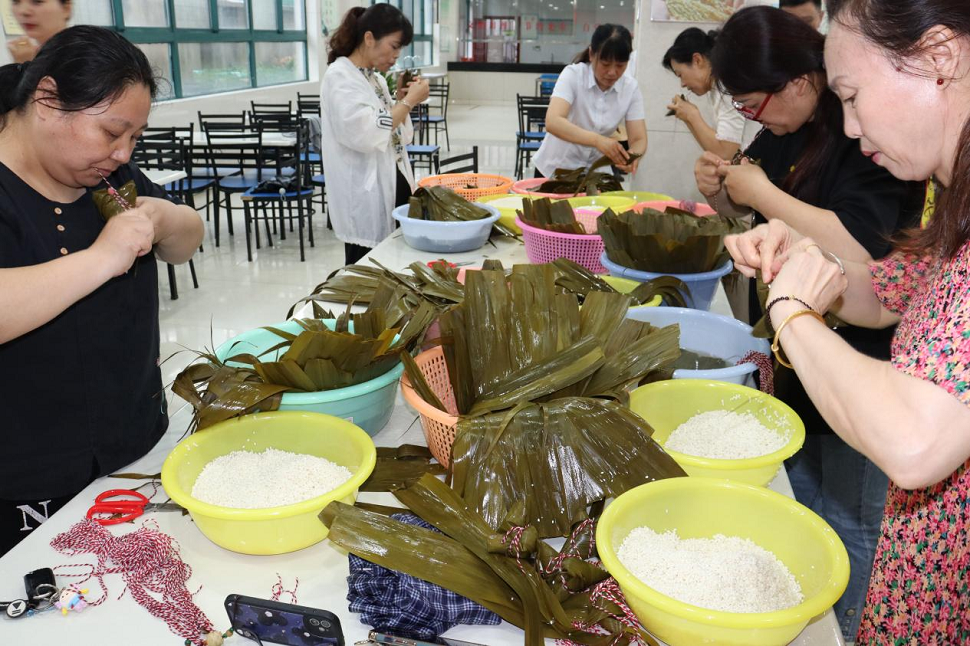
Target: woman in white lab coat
364 131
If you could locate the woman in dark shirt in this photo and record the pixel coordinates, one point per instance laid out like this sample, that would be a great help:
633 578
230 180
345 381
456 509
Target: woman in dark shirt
79 336
803 170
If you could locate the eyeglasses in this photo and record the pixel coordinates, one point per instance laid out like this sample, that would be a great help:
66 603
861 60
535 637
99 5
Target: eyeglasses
750 114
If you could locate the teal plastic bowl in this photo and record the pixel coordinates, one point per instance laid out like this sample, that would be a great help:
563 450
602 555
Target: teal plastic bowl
368 405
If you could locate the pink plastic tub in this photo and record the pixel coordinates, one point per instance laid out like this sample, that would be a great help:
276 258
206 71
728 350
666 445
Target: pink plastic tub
525 186
696 208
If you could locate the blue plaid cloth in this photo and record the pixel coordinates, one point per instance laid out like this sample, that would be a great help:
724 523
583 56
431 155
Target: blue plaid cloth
405 606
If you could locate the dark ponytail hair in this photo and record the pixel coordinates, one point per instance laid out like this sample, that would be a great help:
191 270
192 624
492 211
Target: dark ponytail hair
379 19
689 42
762 49
89 65
609 43
898 28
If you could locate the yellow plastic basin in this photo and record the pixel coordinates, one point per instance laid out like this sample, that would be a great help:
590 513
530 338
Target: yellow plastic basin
639 196
507 215
701 508
625 286
665 405
271 530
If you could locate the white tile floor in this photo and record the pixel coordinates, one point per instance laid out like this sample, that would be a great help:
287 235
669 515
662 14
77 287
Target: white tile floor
235 295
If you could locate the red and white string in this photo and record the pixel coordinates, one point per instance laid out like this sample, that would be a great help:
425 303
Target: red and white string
148 561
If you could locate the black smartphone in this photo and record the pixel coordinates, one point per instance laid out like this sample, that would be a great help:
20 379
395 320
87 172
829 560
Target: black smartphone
262 620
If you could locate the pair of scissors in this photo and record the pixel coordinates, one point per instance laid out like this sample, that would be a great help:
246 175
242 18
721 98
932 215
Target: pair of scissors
124 505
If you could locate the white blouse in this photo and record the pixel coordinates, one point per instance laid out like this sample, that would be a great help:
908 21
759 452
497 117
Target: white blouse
591 109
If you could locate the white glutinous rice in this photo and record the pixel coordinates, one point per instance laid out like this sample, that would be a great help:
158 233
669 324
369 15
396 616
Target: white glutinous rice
510 202
724 573
725 435
247 480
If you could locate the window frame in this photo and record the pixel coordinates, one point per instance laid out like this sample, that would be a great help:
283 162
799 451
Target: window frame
173 36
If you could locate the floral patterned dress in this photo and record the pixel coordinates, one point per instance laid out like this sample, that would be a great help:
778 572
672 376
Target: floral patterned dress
920 588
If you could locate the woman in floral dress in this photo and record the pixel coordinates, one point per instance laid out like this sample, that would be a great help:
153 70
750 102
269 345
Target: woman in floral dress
910 415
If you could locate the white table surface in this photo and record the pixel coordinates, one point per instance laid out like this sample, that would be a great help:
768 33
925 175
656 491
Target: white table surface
322 568
271 139
163 177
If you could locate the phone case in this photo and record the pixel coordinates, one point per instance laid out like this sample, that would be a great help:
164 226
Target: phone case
263 620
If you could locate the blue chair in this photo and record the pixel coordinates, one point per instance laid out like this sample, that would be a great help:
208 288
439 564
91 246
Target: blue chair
282 202
439 92
528 138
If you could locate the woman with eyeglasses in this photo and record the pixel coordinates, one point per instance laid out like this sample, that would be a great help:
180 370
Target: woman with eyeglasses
803 170
900 69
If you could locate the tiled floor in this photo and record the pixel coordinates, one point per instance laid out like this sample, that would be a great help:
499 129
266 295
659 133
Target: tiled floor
235 295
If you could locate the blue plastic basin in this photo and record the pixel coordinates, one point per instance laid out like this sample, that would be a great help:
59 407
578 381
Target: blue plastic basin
710 334
702 285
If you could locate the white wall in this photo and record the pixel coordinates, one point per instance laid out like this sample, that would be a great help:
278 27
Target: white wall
671 150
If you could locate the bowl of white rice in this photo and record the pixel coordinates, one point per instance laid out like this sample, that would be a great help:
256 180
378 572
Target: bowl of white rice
720 430
710 561
255 484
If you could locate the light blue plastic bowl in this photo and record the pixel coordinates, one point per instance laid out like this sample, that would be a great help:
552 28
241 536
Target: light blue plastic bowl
702 285
711 334
368 405
446 237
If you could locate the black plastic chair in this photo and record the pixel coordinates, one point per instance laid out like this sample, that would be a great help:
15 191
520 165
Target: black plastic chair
271 108
531 112
307 104
422 152
438 99
467 163
301 196
243 151
161 154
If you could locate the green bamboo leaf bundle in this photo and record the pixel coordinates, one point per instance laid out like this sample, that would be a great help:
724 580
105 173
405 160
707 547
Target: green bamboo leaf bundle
441 204
522 581
676 242
315 359
555 216
584 180
533 374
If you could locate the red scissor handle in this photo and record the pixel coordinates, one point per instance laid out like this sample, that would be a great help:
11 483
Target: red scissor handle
130 506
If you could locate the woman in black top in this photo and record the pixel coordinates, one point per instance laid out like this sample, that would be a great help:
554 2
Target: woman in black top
803 170
79 338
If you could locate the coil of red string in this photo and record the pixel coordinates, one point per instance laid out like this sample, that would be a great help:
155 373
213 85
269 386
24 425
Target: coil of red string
154 573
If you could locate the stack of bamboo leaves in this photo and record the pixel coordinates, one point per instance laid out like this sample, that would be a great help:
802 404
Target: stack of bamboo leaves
537 382
674 241
441 204
316 359
398 292
555 216
511 572
584 180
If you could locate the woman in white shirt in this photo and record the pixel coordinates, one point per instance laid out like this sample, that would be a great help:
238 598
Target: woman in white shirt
688 59
364 133
591 99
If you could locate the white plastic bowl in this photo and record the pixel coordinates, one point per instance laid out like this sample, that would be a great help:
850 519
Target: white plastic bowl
446 237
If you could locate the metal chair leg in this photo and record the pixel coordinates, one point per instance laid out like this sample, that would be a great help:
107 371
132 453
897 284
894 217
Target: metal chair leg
172 284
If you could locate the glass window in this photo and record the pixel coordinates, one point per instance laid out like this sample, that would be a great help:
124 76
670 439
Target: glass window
145 13
293 17
192 14
280 63
92 12
234 14
160 57
264 14
214 67
423 53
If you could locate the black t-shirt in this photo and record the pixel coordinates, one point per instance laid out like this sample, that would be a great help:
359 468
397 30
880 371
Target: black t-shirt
870 203
85 388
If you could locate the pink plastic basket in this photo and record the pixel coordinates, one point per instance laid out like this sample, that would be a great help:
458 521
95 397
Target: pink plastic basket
696 208
525 186
438 425
543 246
